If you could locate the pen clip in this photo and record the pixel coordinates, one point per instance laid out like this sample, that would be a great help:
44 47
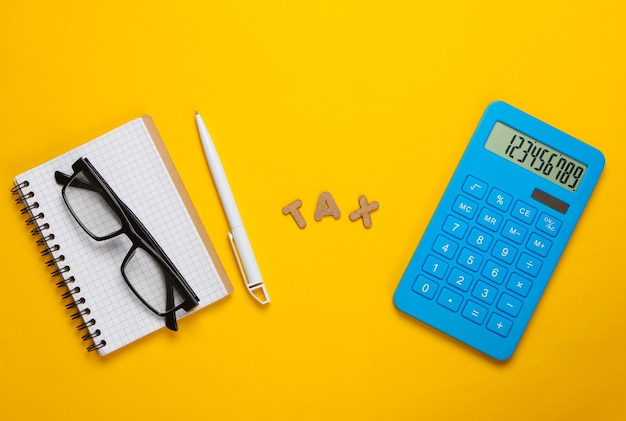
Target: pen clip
258 291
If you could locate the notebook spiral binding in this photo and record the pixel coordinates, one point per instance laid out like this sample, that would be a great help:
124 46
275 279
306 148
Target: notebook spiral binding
45 237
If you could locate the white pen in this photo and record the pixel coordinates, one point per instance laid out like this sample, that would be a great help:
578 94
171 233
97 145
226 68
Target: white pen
238 237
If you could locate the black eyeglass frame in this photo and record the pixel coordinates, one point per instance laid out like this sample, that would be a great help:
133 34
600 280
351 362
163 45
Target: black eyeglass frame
137 233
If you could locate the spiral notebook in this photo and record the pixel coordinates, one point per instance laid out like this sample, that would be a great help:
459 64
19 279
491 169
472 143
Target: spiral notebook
135 163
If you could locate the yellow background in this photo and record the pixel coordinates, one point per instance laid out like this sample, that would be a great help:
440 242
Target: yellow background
352 97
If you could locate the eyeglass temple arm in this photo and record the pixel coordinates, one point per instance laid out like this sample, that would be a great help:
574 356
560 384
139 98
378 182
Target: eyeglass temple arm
170 318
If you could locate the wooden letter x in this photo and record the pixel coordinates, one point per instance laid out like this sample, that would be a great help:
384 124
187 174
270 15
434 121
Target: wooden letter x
364 211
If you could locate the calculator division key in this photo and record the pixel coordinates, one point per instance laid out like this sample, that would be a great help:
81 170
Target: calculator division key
460 280
529 264
499 324
474 312
509 304
504 251
470 259
445 247
450 299
499 199
479 239
425 287
489 219
519 285
455 227
524 212
539 245
485 292
475 187
465 207
514 232
435 267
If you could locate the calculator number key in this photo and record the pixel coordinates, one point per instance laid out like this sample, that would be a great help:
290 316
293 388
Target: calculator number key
494 272
425 287
435 267
445 247
455 227
469 259
485 292
479 239
504 252
460 279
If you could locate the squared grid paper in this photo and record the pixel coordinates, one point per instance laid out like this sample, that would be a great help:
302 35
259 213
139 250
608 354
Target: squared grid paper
129 161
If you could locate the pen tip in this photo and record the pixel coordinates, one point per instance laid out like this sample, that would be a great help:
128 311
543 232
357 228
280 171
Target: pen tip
197 112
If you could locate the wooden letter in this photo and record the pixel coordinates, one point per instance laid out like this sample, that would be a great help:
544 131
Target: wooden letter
364 211
292 209
326 206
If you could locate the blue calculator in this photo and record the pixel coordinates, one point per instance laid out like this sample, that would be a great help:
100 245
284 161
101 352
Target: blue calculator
499 230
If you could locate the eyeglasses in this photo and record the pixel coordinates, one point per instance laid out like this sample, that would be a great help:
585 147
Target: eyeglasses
147 270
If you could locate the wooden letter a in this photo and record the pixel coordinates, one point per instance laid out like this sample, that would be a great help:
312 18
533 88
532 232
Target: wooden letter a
326 206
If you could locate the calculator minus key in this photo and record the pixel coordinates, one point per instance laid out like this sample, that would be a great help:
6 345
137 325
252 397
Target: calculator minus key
475 187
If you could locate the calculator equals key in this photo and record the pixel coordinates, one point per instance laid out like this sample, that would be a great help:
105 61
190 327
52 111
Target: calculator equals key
494 240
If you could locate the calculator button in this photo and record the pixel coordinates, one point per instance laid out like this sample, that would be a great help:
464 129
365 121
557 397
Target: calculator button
499 325
469 259
485 292
465 207
425 287
460 279
519 285
509 304
489 219
529 264
539 245
494 272
474 312
524 212
514 232
548 224
455 227
474 187
445 247
479 239
435 267
449 299
499 199
504 251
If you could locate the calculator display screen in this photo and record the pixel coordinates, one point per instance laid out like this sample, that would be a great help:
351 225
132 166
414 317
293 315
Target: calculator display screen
535 156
